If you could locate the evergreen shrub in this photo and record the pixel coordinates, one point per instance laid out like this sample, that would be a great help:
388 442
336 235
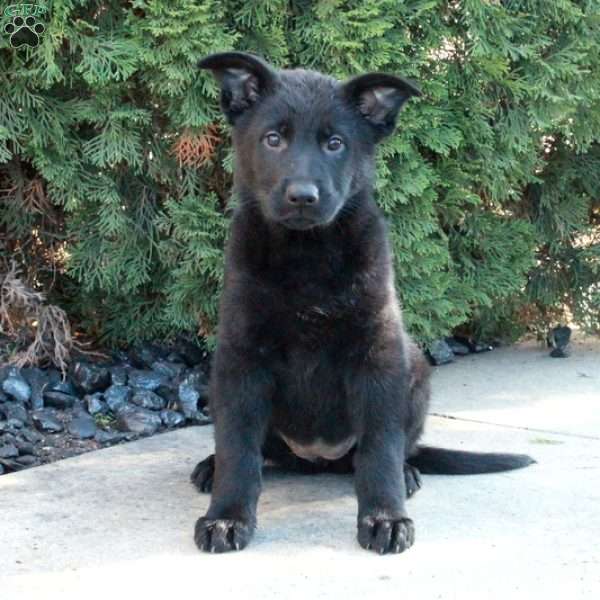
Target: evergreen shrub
115 164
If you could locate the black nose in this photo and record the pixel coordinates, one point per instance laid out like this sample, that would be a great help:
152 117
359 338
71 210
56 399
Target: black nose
302 194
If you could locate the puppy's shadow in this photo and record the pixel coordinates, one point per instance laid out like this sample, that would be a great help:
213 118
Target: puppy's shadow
299 488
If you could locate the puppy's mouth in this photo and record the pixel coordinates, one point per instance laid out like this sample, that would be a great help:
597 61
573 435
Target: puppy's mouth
299 223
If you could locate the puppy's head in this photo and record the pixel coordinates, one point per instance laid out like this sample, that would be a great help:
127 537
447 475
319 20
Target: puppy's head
304 142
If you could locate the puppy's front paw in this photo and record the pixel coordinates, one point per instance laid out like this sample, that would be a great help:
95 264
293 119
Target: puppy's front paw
222 535
383 535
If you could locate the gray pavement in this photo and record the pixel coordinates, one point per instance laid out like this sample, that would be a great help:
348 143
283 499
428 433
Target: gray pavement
118 522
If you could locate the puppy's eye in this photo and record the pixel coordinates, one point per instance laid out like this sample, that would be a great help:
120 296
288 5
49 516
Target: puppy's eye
273 139
334 143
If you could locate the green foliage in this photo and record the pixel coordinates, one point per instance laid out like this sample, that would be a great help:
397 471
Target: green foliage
115 165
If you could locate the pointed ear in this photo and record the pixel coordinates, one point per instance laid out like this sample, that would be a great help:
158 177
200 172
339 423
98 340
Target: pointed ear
244 80
379 98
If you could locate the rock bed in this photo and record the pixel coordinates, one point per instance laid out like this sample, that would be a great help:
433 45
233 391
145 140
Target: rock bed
45 417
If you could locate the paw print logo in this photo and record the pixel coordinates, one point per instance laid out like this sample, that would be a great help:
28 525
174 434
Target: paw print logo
24 32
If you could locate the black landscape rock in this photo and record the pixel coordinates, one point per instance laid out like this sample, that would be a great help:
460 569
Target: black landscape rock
8 451
192 354
13 410
38 380
458 348
474 345
59 400
200 417
440 353
31 435
65 387
46 419
143 355
16 387
192 393
138 420
28 460
109 436
90 378
559 338
117 396
167 368
83 426
95 403
171 418
118 375
148 399
146 379
24 447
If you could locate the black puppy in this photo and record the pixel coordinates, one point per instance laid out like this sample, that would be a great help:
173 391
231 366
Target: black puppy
313 366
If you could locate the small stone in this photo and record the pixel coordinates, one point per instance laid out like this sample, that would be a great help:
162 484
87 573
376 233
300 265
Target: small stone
146 380
143 355
83 427
148 399
65 387
7 438
90 378
16 387
45 419
168 391
192 393
191 353
458 348
137 420
171 418
31 435
440 353
118 375
200 417
28 460
24 447
15 423
109 436
94 404
479 347
117 396
38 381
168 369
8 451
14 410
59 400
559 338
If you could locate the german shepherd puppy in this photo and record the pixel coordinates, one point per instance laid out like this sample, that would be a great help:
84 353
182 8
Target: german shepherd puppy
313 367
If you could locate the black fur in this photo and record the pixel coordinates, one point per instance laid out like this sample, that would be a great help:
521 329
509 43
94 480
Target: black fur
313 368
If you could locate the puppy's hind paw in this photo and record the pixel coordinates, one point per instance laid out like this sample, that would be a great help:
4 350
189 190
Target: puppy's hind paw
412 479
203 474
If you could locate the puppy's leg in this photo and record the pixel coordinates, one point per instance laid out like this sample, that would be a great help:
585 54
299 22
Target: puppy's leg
241 409
383 524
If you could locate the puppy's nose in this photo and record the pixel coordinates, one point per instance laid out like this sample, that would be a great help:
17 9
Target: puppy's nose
302 194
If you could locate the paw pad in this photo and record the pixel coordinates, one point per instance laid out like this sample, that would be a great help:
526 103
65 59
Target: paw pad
24 31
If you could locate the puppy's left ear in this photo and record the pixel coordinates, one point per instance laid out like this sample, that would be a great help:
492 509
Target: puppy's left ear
379 98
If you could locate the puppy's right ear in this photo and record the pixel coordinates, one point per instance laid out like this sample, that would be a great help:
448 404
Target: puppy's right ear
244 80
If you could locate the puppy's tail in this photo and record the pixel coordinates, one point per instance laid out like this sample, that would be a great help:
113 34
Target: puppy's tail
440 461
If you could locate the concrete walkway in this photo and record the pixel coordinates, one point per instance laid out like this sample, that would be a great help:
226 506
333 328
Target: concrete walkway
118 523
